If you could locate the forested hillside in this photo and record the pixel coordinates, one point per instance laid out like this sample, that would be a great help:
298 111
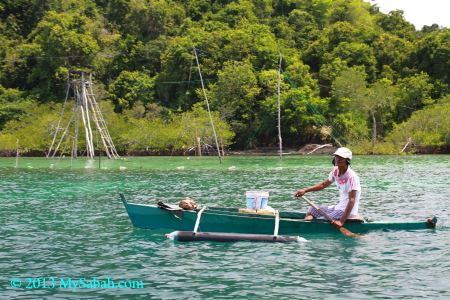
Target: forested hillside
350 74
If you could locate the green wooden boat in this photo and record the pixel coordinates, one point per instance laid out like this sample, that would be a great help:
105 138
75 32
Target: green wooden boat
230 220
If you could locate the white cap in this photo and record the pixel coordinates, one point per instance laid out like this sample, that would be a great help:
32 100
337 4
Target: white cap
343 152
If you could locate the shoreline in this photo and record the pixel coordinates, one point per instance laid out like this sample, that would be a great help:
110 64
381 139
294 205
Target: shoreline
308 149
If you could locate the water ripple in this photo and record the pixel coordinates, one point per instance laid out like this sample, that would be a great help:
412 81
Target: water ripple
67 221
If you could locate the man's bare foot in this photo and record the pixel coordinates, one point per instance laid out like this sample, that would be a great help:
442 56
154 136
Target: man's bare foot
309 218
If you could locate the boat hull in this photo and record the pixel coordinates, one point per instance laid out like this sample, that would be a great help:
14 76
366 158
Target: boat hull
232 221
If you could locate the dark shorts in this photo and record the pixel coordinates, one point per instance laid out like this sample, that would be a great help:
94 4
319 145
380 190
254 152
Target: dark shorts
335 214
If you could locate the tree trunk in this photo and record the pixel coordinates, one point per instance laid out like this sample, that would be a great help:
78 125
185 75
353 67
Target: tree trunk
199 144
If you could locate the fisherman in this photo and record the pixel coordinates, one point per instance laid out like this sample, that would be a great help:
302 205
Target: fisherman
347 182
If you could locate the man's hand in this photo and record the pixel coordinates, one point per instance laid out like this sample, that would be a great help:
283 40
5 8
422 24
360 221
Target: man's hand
338 223
300 193
317 187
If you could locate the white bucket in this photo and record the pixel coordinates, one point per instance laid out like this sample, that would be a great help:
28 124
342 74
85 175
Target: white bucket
257 199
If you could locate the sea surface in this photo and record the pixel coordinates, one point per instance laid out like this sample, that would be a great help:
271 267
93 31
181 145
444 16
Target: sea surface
62 223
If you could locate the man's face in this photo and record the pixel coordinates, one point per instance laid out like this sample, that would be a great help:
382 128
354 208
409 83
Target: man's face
340 161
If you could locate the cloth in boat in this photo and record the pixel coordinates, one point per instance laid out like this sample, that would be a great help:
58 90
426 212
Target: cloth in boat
188 204
349 181
335 214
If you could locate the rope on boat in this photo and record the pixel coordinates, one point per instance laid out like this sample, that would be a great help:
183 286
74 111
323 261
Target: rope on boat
277 223
197 222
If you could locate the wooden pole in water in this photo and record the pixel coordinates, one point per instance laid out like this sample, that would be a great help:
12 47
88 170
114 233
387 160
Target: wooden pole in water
198 140
221 145
99 150
17 153
73 151
99 157
279 109
207 105
199 147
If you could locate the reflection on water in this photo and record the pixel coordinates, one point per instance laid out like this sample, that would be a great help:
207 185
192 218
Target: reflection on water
64 219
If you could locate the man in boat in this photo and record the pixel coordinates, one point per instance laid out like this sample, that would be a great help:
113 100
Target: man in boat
347 182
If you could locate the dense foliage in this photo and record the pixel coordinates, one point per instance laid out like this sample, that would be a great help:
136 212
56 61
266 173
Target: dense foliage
350 74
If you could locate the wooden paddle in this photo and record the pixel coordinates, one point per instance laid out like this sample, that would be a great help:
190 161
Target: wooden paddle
343 230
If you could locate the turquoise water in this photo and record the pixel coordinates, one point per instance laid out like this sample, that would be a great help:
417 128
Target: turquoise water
62 219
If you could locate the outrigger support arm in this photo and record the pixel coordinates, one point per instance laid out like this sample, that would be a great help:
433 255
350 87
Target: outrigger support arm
197 222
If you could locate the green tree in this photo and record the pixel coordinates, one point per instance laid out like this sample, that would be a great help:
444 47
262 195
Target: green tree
426 127
13 105
116 11
150 19
234 12
300 120
149 135
20 66
131 87
179 75
318 9
413 93
355 54
379 103
21 16
197 10
235 96
331 37
304 26
342 61
354 11
282 30
374 103
329 72
348 93
433 55
196 130
33 129
395 23
65 40
298 75
263 9
392 51
135 55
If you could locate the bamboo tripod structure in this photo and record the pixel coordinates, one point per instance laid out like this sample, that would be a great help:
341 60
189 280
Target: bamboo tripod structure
88 108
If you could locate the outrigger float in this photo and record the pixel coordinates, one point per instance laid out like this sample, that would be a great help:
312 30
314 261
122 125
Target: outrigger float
231 224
